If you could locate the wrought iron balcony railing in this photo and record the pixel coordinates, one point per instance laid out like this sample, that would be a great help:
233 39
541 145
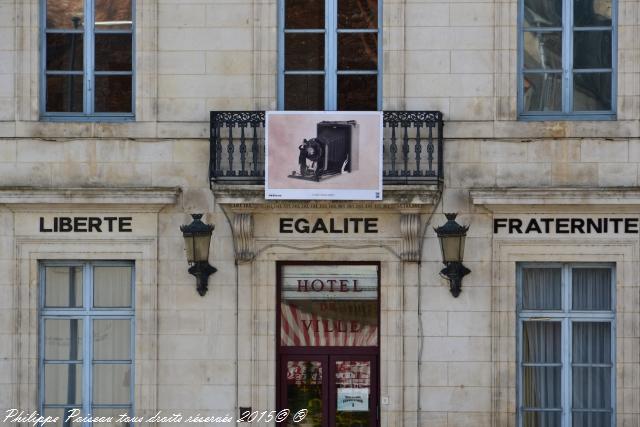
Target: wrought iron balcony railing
412 147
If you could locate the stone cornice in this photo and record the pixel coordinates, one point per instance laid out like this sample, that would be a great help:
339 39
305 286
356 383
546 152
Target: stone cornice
556 196
247 198
149 198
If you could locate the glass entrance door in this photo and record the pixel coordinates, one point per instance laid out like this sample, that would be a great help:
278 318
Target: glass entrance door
353 391
336 390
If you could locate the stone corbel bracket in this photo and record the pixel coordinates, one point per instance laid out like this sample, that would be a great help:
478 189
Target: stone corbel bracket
410 226
243 241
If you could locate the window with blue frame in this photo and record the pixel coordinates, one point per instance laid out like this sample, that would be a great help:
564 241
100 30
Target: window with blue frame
87 56
567 59
86 340
566 354
329 55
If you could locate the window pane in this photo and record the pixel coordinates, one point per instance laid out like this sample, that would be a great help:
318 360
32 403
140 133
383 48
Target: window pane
591 388
591 289
592 91
591 419
542 13
541 342
304 92
541 387
304 52
304 390
591 49
542 92
307 14
112 339
357 14
64 52
541 289
63 339
112 286
63 286
542 50
358 51
111 384
541 419
592 13
113 14
113 52
113 94
65 14
358 92
63 384
64 93
591 342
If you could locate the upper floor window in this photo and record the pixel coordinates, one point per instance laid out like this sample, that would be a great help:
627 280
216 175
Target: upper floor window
566 355
328 55
567 59
86 340
87 58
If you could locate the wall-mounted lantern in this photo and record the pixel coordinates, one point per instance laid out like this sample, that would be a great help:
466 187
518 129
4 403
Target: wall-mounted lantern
197 237
452 236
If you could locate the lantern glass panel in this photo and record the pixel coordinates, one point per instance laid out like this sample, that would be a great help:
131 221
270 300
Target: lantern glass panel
188 245
202 247
452 248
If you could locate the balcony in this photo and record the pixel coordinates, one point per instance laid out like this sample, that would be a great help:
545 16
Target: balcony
412 148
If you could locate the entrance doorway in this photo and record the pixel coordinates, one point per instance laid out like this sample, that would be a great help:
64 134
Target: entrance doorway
328 335
336 389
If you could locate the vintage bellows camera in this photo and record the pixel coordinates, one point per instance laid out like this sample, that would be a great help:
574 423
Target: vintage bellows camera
331 152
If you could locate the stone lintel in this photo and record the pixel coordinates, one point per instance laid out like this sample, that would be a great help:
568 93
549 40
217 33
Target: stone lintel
527 198
145 198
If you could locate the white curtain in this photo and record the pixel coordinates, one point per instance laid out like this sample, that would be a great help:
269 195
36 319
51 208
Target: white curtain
542 358
591 289
541 288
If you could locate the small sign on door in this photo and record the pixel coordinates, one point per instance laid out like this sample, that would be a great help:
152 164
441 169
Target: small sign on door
353 399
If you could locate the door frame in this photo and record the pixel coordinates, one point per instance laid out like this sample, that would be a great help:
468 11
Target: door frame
325 353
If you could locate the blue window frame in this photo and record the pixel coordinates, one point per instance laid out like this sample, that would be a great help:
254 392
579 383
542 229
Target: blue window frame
329 54
86 340
87 67
566 345
567 59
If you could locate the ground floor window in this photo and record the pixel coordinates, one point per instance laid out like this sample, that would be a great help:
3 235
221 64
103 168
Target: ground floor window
566 352
86 348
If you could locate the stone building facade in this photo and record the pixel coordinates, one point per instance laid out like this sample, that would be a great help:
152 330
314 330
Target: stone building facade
442 361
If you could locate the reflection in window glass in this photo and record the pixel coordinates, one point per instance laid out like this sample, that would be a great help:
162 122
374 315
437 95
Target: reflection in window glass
113 15
63 339
543 92
65 14
304 14
592 91
63 286
304 92
357 14
542 50
542 13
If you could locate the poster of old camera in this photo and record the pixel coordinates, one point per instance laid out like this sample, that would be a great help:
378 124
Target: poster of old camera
323 155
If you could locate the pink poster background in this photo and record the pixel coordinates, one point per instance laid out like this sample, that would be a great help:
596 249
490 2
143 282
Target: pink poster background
287 131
